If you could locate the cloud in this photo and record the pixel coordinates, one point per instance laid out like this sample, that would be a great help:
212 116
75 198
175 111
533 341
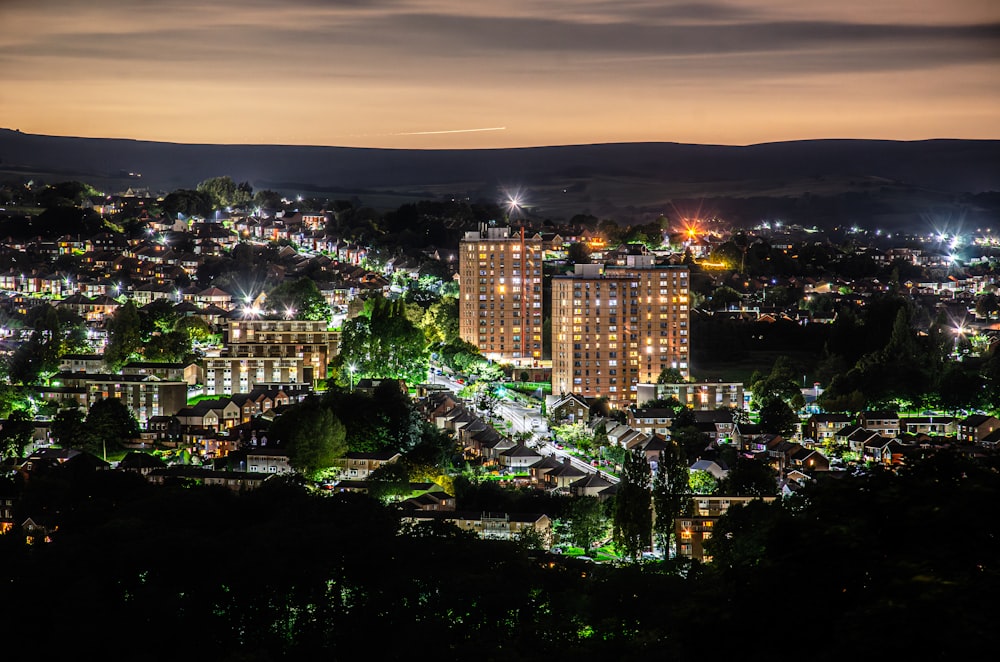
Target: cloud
382 64
318 37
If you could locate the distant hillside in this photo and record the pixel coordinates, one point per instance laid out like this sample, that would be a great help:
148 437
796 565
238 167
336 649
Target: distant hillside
563 179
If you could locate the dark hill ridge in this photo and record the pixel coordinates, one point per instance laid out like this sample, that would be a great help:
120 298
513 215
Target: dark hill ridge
944 165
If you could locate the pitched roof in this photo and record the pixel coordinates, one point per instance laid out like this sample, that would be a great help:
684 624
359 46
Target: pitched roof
590 480
520 450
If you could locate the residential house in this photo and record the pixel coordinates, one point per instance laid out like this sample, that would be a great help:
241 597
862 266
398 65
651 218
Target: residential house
651 447
490 526
562 476
976 427
883 450
650 420
433 499
930 425
712 467
886 423
821 427
570 408
590 485
358 465
722 420
237 481
140 463
518 457
190 373
268 460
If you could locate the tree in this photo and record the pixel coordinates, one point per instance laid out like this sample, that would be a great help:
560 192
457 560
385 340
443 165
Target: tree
669 492
267 199
194 327
124 336
299 299
68 427
487 398
172 346
16 434
224 192
159 316
632 522
723 296
578 253
670 376
575 434
109 423
382 342
780 383
313 437
187 203
389 481
440 322
749 478
702 482
693 441
987 305
587 522
776 417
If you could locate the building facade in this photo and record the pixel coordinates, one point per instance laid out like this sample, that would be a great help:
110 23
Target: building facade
262 351
147 396
616 327
703 396
694 529
500 294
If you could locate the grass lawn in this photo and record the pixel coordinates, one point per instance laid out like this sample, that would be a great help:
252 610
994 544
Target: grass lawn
603 554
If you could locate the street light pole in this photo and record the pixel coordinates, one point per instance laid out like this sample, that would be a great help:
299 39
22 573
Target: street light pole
351 368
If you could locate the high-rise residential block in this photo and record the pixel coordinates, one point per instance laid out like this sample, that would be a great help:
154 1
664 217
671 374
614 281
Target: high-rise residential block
615 327
500 290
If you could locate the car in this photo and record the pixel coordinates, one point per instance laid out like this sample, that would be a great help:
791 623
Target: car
559 446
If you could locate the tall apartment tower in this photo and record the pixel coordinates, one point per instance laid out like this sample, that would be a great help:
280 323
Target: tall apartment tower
500 290
614 327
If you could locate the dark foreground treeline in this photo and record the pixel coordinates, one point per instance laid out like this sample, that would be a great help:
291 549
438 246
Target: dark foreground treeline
904 566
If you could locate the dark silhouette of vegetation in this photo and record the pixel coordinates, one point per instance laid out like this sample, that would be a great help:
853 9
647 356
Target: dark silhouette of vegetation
347 563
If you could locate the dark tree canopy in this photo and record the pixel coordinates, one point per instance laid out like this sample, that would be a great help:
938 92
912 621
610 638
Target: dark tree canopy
109 423
632 522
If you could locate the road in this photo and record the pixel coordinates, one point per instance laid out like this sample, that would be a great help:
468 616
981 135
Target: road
529 419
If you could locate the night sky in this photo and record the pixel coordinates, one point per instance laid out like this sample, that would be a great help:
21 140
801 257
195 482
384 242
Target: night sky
446 74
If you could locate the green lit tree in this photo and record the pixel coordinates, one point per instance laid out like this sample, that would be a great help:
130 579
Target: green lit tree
440 322
124 336
702 482
382 342
299 299
16 434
